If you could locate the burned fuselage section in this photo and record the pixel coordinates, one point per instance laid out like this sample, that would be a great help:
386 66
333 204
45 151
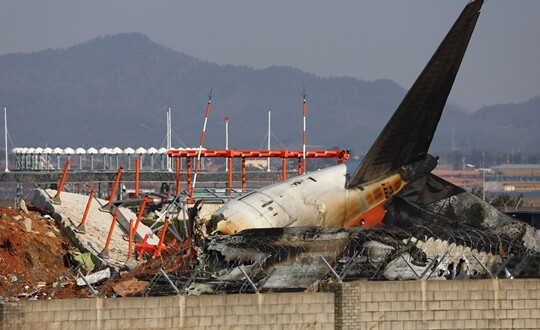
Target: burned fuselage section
415 242
432 230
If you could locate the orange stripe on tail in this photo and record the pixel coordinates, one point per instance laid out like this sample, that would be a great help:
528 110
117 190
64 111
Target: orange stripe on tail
371 218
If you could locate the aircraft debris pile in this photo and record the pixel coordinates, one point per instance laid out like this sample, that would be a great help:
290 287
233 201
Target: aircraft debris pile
386 217
300 258
432 230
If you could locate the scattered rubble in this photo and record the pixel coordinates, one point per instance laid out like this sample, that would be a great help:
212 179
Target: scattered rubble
46 257
43 255
68 216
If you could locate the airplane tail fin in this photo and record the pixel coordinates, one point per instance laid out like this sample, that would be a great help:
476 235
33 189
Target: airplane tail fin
407 136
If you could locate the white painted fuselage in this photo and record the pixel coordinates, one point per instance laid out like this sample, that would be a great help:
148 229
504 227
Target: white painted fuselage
314 199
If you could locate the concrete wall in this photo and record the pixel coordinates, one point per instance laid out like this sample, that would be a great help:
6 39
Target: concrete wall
474 304
471 304
260 311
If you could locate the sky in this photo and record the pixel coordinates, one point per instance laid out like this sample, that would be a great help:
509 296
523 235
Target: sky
364 39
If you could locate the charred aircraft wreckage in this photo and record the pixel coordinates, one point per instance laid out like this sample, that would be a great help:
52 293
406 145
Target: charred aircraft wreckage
387 217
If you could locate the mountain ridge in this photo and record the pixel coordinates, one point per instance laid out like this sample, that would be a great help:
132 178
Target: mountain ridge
113 91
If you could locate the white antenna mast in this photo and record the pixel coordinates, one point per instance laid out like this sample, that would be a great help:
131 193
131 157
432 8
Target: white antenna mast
269 135
169 140
6 137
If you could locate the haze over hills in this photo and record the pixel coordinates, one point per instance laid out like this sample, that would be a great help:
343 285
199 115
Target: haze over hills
113 91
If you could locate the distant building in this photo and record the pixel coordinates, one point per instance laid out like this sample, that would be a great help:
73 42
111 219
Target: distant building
517 169
258 163
502 178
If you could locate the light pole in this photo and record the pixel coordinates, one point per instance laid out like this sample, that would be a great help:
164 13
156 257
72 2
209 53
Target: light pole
5 138
483 179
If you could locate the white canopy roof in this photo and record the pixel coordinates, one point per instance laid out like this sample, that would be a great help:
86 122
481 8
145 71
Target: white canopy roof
117 151
129 151
105 150
92 151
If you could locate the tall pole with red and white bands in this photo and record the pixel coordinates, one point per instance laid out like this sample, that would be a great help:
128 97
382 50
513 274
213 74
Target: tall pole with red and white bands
208 106
305 135
226 140
169 138
269 137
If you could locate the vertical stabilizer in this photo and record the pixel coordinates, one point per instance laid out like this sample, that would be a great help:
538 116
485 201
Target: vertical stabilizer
407 136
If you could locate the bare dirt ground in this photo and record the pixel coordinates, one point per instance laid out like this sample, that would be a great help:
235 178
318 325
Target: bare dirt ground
33 260
32 249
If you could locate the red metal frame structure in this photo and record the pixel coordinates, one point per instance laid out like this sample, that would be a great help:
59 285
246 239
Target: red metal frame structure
115 186
140 214
81 228
56 198
130 244
105 253
177 176
341 155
